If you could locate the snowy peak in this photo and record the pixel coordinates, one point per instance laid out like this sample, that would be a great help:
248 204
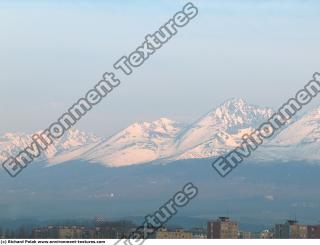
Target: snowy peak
237 112
159 129
138 143
230 118
162 126
165 125
13 143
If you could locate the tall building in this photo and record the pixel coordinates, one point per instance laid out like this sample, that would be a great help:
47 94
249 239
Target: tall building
314 231
222 228
291 229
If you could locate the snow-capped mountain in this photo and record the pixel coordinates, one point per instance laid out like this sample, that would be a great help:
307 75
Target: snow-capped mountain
214 134
220 129
70 145
138 143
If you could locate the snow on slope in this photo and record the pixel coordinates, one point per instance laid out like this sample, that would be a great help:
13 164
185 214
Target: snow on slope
220 143
138 143
304 131
61 150
220 129
299 141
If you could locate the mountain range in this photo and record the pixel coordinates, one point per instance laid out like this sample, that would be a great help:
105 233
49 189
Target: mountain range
165 140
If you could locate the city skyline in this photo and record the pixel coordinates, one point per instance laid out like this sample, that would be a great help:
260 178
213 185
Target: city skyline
220 228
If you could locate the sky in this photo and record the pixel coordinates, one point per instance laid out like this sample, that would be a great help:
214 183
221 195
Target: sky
53 52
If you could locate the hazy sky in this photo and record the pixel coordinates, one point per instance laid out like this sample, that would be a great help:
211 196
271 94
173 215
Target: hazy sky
52 52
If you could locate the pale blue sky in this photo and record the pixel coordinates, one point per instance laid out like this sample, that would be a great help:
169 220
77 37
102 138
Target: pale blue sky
52 52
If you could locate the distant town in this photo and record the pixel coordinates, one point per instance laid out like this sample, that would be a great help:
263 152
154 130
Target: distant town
220 228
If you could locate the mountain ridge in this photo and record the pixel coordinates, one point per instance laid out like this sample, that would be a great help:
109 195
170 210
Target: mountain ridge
214 134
